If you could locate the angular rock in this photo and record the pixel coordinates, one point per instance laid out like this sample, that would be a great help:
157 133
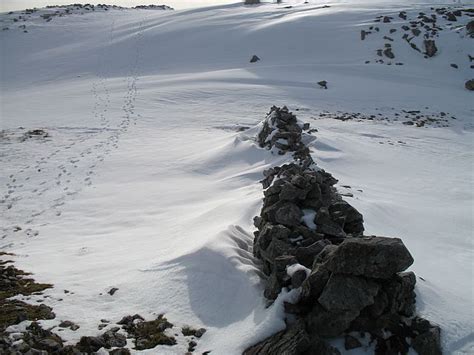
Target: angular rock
428 340
254 59
469 85
351 342
288 214
306 255
374 257
430 47
292 341
314 284
323 84
348 293
326 324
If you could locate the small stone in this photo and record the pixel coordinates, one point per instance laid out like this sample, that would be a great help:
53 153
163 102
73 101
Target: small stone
254 59
469 85
351 342
323 84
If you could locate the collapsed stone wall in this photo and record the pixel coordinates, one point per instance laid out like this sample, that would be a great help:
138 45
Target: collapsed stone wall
310 239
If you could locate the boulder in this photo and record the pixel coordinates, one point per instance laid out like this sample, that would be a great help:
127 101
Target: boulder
374 257
328 324
347 293
288 214
428 338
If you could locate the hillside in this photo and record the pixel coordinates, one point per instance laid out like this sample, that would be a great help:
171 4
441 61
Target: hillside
144 177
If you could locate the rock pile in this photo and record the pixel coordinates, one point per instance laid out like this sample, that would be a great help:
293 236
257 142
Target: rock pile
311 240
282 131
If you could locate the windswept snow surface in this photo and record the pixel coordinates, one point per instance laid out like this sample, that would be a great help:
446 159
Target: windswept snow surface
143 185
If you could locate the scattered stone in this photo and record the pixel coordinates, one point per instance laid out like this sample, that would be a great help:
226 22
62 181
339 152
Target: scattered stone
68 324
188 331
254 58
112 291
388 53
469 85
323 84
351 342
430 47
455 66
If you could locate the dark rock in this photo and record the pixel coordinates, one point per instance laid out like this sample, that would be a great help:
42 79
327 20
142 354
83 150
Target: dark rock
298 278
428 340
314 284
128 321
288 214
292 341
326 324
430 47
323 84
306 255
348 293
113 339
400 291
470 28
351 342
362 35
375 257
352 220
192 345
90 344
451 17
112 291
271 231
68 324
120 351
254 59
455 66
469 85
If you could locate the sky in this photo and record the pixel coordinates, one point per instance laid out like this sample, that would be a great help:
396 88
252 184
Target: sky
11 5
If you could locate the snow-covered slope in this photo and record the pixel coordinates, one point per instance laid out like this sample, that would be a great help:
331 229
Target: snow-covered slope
143 184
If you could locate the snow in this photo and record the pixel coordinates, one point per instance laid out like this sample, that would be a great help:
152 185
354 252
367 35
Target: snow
291 269
309 218
137 186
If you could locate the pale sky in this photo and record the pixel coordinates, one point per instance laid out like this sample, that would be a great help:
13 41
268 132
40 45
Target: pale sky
10 5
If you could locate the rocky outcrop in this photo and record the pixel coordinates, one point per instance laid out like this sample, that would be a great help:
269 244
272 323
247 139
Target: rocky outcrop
310 240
